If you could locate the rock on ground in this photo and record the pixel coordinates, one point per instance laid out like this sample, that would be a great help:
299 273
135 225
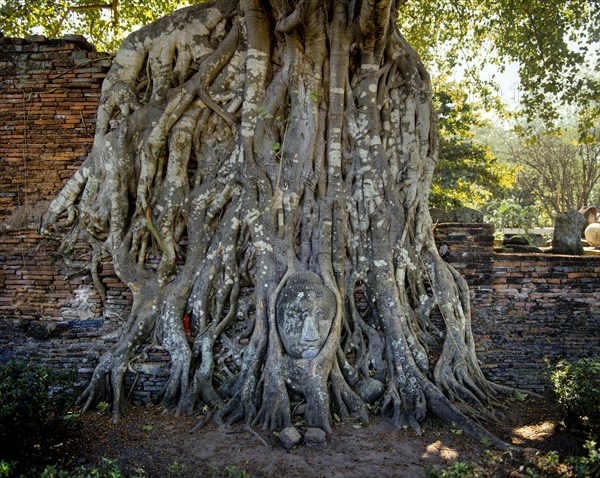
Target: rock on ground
290 437
315 436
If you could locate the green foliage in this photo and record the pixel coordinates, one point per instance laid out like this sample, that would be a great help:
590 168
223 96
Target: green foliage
486 442
33 405
467 174
105 24
508 214
588 465
529 465
229 471
519 396
176 469
6 469
108 469
558 170
550 465
458 469
577 387
549 41
544 465
111 469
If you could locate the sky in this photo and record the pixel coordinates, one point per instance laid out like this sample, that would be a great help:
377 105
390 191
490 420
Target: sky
508 82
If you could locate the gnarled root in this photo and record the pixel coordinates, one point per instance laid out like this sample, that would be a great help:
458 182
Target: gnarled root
240 147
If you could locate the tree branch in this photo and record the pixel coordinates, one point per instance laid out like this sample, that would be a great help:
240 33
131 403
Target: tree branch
91 7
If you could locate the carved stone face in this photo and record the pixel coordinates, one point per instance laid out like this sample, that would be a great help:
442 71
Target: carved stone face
305 312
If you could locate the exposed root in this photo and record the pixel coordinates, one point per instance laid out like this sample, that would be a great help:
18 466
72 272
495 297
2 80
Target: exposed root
252 161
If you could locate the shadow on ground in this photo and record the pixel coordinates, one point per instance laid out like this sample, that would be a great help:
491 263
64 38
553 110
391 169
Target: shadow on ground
154 439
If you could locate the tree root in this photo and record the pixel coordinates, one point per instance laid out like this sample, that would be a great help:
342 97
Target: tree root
237 146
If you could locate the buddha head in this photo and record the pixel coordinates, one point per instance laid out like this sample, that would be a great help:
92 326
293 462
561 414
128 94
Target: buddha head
305 310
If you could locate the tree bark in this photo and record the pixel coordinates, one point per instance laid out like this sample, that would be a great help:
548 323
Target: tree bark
286 149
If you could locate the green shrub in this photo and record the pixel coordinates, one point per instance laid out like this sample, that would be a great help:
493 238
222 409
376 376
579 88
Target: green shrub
459 469
108 469
33 405
507 214
549 465
577 387
589 465
176 469
527 465
544 465
7 469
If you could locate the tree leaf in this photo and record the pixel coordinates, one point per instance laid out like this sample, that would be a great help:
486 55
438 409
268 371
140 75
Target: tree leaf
519 396
486 442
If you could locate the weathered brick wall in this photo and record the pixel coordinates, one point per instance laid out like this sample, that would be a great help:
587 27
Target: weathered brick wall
544 307
52 314
469 247
526 307
49 91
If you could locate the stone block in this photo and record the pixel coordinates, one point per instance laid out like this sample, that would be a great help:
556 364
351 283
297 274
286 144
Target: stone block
315 436
290 437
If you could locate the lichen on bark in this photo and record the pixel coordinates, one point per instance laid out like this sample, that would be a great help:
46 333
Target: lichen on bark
241 145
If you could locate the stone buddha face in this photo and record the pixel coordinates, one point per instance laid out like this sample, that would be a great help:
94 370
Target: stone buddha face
305 310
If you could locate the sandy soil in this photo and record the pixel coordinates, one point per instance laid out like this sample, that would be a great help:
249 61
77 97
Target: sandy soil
154 439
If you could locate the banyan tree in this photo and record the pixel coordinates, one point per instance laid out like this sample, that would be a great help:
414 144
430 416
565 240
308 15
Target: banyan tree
259 176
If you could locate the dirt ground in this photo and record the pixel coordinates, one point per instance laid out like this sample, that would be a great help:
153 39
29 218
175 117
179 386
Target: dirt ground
164 445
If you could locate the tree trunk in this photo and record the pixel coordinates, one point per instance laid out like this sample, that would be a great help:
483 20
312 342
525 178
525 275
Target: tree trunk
286 150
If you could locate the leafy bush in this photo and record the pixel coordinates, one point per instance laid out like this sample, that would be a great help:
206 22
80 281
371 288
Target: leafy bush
108 469
458 469
33 405
545 465
577 387
549 465
526 465
111 469
176 469
588 465
6 469
507 214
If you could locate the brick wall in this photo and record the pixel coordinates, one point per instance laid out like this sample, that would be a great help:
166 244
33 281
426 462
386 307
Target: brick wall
543 307
469 247
49 92
526 307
